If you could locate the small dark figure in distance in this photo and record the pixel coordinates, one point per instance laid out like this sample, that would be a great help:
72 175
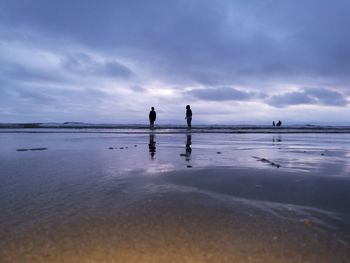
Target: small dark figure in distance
279 123
188 116
152 118
273 123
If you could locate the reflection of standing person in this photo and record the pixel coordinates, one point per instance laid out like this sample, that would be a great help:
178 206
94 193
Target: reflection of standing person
152 118
152 145
188 116
188 147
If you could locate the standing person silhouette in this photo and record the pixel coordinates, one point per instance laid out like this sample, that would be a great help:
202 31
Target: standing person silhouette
152 118
188 116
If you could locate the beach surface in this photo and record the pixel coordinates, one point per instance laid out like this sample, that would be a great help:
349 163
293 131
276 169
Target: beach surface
140 196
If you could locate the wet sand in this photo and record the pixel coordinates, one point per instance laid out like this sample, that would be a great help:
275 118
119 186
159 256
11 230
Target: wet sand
174 198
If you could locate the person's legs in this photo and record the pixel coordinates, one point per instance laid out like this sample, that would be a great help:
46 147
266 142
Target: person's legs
189 122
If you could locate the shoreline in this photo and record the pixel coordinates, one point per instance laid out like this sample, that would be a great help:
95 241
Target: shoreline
179 130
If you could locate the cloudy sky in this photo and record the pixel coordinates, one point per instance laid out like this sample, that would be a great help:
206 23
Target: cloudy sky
233 61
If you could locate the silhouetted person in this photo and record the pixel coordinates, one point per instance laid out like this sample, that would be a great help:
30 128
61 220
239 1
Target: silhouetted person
152 118
279 123
188 116
273 123
152 145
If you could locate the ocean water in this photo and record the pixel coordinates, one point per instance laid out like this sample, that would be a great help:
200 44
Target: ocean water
131 195
169 129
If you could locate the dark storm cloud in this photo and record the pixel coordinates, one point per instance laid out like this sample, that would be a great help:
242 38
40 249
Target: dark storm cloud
84 64
259 46
46 94
37 96
209 42
327 96
14 72
309 96
291 98
221 94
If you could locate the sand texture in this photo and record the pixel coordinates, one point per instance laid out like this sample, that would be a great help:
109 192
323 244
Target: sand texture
174 197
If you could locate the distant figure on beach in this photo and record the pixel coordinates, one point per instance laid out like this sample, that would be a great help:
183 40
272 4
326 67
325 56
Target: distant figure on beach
152 146
279 123
188 116
273 123
152 118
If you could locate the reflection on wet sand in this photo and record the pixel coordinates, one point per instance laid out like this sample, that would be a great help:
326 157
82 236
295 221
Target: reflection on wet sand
188 149
81 202
276 139
152 146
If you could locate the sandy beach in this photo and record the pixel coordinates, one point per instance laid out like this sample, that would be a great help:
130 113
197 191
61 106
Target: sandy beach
174 197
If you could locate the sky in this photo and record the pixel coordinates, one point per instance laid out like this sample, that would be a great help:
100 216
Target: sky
233 61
